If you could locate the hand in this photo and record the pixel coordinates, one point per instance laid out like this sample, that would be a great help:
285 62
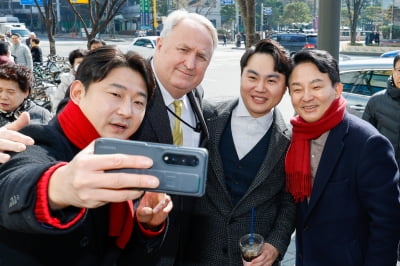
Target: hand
267 257
153 209
11 140
84 183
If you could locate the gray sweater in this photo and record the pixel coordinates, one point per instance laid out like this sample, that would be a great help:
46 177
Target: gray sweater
22 55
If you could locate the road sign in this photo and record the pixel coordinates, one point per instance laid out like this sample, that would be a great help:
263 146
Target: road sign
31 2
227 2
268 11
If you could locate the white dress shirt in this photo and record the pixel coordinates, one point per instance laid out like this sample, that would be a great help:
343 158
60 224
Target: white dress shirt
247 131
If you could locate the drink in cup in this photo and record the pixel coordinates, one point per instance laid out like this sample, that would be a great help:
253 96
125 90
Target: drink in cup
251 246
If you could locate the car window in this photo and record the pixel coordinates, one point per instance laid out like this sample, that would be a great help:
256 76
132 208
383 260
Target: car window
364 82
312 39
22 32
144 43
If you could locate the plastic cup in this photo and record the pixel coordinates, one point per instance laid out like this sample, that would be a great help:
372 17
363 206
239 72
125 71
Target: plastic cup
251 246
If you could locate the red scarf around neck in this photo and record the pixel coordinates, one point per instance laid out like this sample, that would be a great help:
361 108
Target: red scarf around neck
81 133
297 163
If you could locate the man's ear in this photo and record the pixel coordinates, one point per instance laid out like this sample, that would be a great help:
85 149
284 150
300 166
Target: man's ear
338 89
159 43
76 91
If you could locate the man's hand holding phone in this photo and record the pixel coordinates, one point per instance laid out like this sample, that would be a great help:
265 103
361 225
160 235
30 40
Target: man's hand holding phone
85 183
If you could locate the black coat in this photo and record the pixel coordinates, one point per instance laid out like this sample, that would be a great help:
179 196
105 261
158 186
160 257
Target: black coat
156 128
24 241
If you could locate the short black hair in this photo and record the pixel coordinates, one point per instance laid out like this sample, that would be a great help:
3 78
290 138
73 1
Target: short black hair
16 34
396 58
92 41
36 40
323 60
4 48
98 63
281 57
74 54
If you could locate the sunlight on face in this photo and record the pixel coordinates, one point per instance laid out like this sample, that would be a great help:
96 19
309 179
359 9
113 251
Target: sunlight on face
116 105
311 91
261 87
182 57
11 96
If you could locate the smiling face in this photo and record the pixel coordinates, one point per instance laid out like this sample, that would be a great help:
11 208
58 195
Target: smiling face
115 105
396 74
11 96
182 57
311 91
261 87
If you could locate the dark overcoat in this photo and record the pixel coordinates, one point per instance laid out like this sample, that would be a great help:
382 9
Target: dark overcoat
217 224
353 215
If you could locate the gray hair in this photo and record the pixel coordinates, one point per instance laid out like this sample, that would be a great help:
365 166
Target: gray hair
177 16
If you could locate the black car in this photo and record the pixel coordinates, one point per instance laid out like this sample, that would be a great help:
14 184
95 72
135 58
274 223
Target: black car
294 42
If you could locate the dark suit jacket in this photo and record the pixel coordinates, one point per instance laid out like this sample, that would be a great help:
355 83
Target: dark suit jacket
156 128
217 225
353 217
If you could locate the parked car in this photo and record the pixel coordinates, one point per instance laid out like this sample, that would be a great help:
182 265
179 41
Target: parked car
144 45
294 42
361 79
390 53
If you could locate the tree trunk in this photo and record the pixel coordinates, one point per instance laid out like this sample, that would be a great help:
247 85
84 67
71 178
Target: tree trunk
247 9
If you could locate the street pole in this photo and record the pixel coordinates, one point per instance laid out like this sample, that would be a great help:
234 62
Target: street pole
391 26
262 21
237 16
329 26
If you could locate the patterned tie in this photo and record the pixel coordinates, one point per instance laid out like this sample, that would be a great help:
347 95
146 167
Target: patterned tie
177 134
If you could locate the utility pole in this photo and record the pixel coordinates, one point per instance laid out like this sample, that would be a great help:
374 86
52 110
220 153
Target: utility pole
262 21
237 16
329 26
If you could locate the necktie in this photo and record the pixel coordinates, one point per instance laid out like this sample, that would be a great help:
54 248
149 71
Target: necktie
177 134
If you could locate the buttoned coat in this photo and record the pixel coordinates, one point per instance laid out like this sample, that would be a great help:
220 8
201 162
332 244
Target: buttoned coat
217 225
156 128
353 215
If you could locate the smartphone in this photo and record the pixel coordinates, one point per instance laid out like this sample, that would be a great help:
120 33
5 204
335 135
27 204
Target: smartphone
181 170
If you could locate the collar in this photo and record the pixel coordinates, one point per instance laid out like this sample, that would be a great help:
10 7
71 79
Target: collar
241 112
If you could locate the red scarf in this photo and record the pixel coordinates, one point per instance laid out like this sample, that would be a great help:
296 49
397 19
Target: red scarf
297 163
81 133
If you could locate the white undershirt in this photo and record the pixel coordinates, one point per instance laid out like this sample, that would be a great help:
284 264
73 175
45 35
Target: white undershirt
247 131
190 137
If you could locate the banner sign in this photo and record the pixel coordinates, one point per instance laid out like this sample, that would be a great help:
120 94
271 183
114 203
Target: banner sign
31 2
145 14
79 1
227 2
